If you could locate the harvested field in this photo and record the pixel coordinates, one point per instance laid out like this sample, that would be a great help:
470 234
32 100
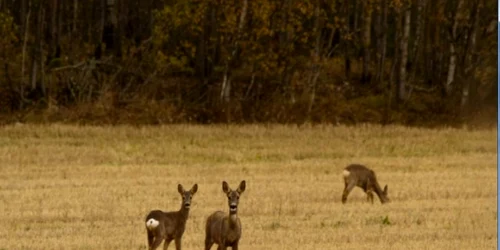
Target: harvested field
72 187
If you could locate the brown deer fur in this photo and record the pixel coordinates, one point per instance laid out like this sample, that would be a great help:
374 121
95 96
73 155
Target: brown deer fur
169 226
225 229
363 177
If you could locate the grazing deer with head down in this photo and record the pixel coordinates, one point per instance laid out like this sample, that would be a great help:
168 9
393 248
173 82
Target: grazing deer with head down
222 229
363 177
169 226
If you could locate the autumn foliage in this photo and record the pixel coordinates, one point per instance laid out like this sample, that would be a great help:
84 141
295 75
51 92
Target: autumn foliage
417 62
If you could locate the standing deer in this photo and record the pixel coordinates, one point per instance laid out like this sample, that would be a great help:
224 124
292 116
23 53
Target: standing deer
223 229
363 177
169 226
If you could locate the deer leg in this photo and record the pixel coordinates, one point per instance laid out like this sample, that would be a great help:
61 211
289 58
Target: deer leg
178 243
156 243
208 243
208 238
369 191
347 189
150 239
235 246
369 195
222 246
167 242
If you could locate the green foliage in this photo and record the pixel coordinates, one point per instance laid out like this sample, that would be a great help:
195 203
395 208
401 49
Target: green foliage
273 226
386 221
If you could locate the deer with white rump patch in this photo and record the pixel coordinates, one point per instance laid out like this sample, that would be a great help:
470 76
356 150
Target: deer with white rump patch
169 226
223 229
363 177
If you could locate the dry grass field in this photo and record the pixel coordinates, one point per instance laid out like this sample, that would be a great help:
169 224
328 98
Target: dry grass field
69 187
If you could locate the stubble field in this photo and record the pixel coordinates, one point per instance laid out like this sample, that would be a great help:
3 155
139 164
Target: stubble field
69 187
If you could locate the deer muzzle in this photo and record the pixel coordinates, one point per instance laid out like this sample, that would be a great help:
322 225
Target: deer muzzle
233 207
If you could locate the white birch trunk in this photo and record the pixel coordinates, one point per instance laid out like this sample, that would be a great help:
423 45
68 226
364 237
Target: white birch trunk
453 55
225 93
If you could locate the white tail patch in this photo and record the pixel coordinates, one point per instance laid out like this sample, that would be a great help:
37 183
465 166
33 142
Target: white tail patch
346 173
152 224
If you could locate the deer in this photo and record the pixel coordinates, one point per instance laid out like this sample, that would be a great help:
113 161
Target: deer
168 226
365 178
225 229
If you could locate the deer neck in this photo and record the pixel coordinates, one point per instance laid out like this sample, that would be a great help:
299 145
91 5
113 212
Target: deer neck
232 220
378 191
184 212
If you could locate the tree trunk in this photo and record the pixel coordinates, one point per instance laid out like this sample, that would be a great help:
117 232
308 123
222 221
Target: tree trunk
453 55
357 5
435 51
226 82
418 28
468 60
75 15
415 55
120 19
367 10
54 40
284 42
60 16
25 8
392 73
110 26
404 54
347 42
42 88
378 37
34 52
23 62
397 38
102 23
383 43
315 67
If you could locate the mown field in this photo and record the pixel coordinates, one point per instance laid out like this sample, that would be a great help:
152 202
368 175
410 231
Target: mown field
69 187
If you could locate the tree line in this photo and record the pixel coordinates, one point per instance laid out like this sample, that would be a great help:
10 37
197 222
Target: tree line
209 61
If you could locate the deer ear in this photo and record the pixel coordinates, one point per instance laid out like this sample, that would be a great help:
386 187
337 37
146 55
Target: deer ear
225 187
242 187
385 189
194 189
180 189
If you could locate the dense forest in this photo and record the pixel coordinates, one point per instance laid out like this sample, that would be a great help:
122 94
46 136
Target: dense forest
413 62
